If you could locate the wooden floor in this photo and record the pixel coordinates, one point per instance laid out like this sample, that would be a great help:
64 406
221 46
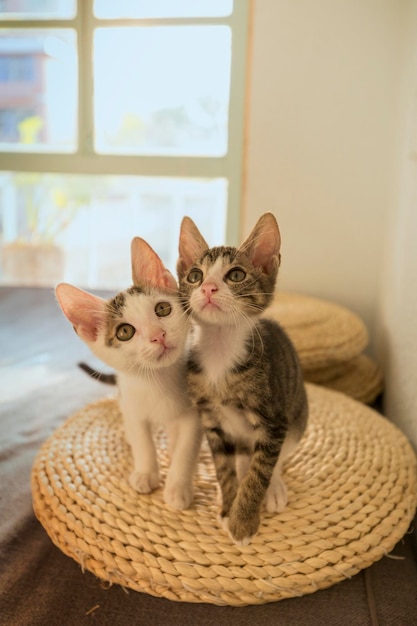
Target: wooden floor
40 386
39 348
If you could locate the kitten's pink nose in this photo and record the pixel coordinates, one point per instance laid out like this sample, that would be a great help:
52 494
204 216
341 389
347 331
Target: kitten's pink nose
159 337
208 289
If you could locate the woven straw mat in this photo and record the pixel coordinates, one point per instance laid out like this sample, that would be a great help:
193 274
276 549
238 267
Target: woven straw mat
361 378
322 332
352 495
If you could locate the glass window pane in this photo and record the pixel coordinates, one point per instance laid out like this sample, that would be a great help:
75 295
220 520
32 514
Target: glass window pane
162 90
38 90
56 227
37 9
162 8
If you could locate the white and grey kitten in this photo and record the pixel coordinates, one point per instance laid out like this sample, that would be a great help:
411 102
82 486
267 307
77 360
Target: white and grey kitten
141 333
244 376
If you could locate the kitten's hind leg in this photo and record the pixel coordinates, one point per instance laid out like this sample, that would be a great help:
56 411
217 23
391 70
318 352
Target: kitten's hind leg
223 453
276 496
242 466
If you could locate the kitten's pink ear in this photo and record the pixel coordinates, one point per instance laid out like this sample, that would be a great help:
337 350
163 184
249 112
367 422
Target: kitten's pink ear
85 311
191 245
148 268
263 244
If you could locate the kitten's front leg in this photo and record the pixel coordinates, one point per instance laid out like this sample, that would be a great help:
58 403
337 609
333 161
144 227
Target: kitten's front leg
145 475
244 515
185 438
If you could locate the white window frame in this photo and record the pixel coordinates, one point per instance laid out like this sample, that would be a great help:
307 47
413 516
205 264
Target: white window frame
86 161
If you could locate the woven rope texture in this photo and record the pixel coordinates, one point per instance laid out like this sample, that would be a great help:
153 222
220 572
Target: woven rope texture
323 333
361 378
352 490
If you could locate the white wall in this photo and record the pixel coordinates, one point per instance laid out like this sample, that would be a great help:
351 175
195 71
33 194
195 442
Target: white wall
397 338
323 139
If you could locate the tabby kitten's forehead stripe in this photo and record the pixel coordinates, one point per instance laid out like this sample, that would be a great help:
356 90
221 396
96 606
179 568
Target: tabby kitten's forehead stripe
220 252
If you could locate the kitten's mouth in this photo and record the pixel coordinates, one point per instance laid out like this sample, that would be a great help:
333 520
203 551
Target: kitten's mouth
165 352
210 313
210 306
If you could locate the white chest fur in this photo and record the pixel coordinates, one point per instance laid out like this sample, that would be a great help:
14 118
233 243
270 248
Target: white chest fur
238 424
220 349
157 396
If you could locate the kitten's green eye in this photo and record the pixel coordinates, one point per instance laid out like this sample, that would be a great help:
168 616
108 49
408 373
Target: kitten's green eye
124 332
236 275
163 309
195 276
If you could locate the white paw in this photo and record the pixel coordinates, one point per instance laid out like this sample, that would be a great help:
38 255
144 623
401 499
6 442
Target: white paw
241 542
178 496
276 497
224 523
144 483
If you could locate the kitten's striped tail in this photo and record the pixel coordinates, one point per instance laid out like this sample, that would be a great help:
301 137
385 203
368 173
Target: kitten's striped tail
101 377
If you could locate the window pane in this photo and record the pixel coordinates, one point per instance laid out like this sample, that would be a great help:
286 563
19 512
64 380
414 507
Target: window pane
162 8
38 90
37 9
78 229
162 90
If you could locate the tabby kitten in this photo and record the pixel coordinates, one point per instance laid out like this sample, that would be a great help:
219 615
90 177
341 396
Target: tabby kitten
244 377
141 333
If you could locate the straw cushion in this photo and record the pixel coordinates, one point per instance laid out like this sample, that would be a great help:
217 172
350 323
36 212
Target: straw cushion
322 332
361 378
352 495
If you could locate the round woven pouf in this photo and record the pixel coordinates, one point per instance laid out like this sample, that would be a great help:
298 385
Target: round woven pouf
323 333
352 491
360 378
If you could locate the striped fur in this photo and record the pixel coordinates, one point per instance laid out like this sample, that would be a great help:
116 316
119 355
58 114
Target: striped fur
244 376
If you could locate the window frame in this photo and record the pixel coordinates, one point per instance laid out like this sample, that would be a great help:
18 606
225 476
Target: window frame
86 161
